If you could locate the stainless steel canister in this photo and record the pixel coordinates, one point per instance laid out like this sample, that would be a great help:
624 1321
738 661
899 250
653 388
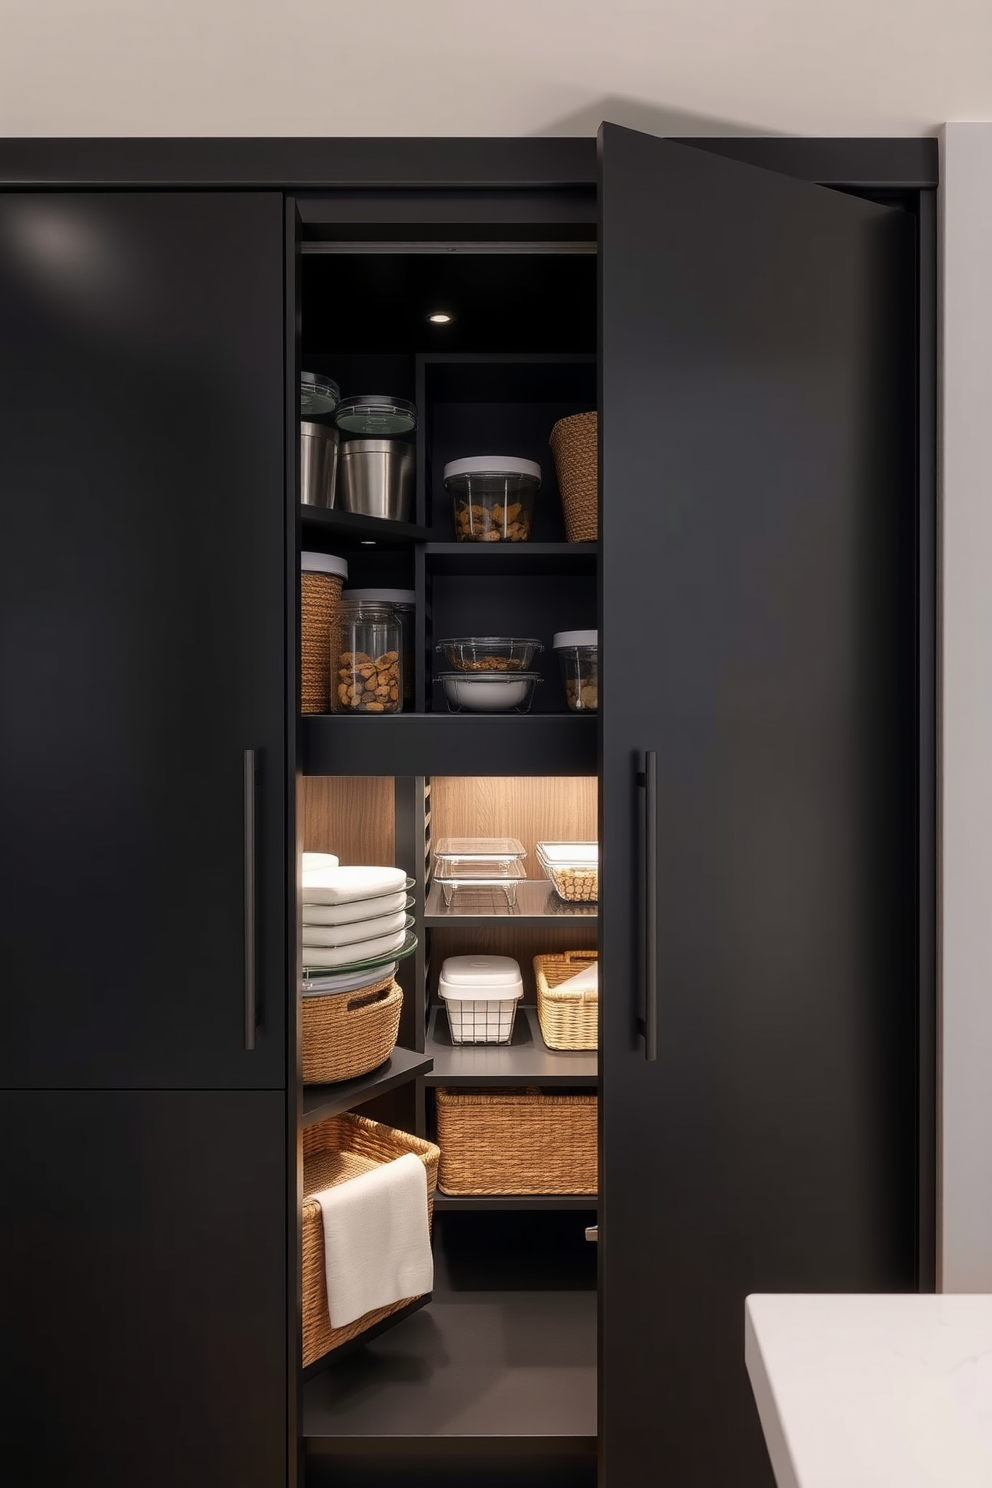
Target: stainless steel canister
318 463
377 478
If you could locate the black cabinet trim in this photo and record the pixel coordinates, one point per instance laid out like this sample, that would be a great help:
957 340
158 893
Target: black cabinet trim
427 164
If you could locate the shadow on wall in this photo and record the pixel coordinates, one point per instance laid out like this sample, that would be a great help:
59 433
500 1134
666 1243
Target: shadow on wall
652 118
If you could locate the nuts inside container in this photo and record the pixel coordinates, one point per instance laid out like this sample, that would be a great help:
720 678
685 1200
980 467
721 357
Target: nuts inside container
493 497
578 656
370 684
573 868
366 659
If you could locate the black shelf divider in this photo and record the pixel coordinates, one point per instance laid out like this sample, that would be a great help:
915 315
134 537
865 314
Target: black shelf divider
510 560
462 1204
321 1101
450 744
348 530
527 1060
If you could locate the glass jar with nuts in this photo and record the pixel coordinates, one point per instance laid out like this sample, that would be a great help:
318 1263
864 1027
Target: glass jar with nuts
493 497
578 657
366 659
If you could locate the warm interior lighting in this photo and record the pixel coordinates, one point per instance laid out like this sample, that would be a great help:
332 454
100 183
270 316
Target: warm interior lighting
440 317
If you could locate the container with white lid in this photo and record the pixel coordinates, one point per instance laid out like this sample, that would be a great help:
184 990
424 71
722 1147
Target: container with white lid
578 657
493 497
404 602
481 994
321 578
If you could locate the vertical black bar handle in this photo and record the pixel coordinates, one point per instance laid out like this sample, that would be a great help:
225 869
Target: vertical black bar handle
649 779
251 934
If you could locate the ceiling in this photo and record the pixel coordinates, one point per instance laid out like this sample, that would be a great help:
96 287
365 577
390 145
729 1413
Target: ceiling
472 67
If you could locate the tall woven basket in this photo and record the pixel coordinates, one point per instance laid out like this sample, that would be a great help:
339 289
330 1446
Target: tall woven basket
575 445
334 1151
569 1020
516 1142
321 595
346 1034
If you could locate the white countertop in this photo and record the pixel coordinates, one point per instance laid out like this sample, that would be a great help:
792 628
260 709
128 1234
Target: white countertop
873 1391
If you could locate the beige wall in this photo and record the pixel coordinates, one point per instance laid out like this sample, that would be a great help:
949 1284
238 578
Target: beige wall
966 806
280 67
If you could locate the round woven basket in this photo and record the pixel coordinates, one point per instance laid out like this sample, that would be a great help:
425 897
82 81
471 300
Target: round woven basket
346 1034
575 445
321 595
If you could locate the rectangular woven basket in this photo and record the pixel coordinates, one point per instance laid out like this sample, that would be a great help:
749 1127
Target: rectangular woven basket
334 1151
516 1142
569 1020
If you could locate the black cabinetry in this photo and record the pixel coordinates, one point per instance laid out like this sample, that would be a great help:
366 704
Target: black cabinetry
763 589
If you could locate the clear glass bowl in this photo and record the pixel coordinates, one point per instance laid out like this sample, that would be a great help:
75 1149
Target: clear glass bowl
489 653
489 692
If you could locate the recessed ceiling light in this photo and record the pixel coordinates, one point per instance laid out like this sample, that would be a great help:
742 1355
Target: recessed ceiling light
368 542
440 317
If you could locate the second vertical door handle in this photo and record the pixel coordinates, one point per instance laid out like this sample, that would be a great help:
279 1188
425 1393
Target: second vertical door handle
251 929
650 779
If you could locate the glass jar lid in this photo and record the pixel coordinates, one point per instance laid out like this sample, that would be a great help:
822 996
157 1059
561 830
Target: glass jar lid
565 638
376 414
319 396
494 465
381 596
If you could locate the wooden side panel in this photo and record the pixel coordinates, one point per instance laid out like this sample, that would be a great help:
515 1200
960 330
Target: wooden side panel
351 816
531 807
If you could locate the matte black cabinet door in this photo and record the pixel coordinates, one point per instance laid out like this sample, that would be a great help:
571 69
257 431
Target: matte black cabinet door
142 636
758 646
144 1284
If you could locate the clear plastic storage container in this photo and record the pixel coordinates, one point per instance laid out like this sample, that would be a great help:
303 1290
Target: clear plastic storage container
404 602
498 852
376 415
366 660
573 868
489 692
493 497
489 653
469 874
578 657
481 994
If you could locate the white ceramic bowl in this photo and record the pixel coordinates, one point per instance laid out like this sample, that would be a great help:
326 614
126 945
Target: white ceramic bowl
489 692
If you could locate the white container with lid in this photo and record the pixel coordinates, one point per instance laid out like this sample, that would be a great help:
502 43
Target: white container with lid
481 994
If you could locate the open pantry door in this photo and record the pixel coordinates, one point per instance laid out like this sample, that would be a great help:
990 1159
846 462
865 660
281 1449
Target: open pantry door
758 807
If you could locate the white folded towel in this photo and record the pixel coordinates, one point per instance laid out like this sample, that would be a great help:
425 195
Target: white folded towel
348 914
586 980
345 884
353 935
363 950
377 1244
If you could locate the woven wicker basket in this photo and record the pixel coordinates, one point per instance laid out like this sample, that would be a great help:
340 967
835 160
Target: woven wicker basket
349 1033
569 1020
516 1142
334 1151
575 445
321 595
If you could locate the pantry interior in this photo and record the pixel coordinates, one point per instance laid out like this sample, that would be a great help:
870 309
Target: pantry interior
504 1355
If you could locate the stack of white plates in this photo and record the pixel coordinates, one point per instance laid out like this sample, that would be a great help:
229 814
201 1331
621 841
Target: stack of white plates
351 916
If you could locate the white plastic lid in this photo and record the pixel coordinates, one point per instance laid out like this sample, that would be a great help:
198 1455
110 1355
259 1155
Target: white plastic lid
575 638
481 974
382 596
323 563
493 465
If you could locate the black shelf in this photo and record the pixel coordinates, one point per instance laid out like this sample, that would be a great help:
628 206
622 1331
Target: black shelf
510 560
450 744
349 530
321 1101
478 1370
526 1060
475 909
462 1203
